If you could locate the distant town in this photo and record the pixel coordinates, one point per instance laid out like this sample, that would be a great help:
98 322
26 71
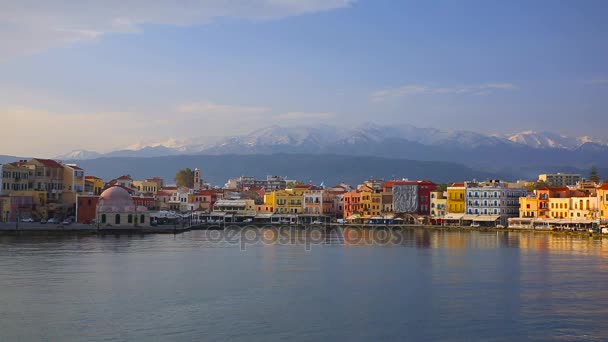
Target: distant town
48 191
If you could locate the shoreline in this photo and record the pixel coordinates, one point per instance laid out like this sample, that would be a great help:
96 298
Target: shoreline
89 230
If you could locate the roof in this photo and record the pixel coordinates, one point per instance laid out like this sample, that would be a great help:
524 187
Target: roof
560 188
75 167
125 177
48 162
457 185
91 177
303 186
603 186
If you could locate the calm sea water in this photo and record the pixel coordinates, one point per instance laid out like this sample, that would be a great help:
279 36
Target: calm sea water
428 286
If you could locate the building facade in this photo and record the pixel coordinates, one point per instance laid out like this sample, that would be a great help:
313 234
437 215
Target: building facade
559 179
494 200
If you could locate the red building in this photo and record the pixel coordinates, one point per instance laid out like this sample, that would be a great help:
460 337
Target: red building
145 201
411 197
20 207
86 207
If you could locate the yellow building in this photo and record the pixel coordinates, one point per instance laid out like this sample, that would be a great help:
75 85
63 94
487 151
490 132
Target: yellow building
559 207
93 185
73 184
146 187
284 201
455 198
371 204
439 204
16 177
528 207
583 207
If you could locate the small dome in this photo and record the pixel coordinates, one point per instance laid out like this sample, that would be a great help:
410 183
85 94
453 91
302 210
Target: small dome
115 199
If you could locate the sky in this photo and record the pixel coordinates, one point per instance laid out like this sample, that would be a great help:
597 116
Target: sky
102 75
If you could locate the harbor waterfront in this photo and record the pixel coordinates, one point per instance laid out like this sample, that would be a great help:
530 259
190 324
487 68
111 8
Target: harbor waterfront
432 285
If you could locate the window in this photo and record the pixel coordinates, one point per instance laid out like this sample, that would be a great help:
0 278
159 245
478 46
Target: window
130 218
117 219
103 218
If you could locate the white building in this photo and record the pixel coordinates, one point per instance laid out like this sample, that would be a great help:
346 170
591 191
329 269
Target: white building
492 202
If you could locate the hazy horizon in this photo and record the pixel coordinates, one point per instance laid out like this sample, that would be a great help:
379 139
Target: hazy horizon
99 76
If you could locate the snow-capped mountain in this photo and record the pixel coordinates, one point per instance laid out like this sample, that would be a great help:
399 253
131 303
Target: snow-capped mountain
551 140
364 139
79 155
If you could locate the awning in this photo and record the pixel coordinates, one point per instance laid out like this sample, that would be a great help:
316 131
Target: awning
480 218
353 217
389 216
453 217
376 218
269 215
217 213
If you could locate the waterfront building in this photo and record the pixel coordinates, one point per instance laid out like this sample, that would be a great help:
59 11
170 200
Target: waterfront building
48 176
352 205
528 206
245 207
492 203
93 185
559 179
116 209
313 201
455 198
204 200
284 201
86 208
439 204
73 185
15 207
411 197
15 177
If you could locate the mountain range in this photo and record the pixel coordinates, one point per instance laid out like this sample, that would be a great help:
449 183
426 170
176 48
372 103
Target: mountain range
487 151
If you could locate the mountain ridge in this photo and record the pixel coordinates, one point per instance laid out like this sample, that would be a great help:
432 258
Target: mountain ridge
330 139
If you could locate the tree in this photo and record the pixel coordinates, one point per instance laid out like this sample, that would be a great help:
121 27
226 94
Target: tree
593 175
184 177
442 187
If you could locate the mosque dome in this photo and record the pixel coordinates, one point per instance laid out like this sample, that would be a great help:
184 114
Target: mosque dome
115 199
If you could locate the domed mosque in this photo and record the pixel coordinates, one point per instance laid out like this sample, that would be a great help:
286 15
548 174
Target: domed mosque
116 209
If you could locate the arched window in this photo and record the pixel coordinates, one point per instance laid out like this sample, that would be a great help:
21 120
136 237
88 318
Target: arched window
103 218
117 219
142 219
130 218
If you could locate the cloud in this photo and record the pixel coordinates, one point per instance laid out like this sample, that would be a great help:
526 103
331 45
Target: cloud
30 26
418 89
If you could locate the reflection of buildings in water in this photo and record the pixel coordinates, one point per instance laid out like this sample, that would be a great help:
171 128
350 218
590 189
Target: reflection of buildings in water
562 243
423 238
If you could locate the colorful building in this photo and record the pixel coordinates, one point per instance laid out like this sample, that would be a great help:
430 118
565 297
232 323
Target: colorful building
439 203
93 185
455 198
284 201
412 197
